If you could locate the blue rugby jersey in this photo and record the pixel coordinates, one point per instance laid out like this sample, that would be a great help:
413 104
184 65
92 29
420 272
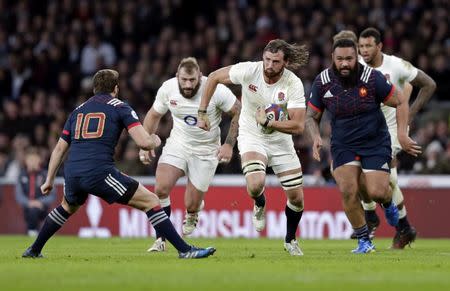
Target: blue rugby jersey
92 131
356 119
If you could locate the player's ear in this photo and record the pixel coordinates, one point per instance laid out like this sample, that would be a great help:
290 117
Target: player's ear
380 46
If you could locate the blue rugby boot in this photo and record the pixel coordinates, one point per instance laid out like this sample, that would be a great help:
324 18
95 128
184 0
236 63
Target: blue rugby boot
197 253
365 246
391 214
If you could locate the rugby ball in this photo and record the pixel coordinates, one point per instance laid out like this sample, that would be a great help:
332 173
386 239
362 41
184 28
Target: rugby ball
275 112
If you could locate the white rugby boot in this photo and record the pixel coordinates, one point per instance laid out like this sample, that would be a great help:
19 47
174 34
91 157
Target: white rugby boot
158 246
259 217
292 248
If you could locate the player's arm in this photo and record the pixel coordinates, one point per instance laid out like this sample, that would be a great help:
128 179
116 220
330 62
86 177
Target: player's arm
427 87
151 120
295 124
142 139
313 117
57 157
151 123
220 76
396 99
226 150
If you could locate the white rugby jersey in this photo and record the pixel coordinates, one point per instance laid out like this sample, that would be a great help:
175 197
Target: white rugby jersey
288 90
398 71
184 114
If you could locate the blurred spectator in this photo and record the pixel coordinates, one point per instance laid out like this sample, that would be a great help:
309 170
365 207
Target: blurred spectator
28 192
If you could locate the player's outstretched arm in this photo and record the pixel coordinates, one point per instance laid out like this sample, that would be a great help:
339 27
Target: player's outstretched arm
151 123
143 139
400 102
56 159
226 150
220 76
427 87
312 122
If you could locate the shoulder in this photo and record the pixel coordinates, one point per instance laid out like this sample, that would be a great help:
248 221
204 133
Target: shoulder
247 66
115 102
323 78
170 84
367 72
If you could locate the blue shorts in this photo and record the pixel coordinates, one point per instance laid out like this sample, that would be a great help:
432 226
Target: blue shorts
112 186
379 160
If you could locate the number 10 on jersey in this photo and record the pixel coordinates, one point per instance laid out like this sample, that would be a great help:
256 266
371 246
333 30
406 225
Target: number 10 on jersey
82 125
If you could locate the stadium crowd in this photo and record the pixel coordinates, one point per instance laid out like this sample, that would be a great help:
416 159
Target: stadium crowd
50 49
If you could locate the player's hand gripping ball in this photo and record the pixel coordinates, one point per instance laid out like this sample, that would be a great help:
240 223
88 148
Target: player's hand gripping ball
275 112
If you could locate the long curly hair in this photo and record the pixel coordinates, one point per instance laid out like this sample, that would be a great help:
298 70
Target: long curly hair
296 55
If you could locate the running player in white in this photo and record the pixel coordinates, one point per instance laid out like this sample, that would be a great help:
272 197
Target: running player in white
398 72
189 150
267 82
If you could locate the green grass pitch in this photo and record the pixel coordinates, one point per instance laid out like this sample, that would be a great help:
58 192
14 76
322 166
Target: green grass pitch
239 264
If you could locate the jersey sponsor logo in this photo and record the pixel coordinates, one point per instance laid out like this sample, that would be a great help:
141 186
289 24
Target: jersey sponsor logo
328 94
252 88
173 102
281 96
363 91
190 120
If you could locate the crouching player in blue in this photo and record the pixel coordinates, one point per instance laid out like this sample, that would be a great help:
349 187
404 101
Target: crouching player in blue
91 132
360 141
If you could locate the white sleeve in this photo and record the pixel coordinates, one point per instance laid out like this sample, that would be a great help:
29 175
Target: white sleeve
161 101
238 72
296 95
407 71
224 97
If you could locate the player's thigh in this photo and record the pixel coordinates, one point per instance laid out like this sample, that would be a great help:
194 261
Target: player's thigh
111 186
347 178
254 168
376 169
167 175
74 196
201 170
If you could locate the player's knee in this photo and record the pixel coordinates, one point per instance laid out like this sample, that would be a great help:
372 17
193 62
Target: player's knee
296 203
149 202
71 209
143 199
380 193
162 191
348 189
255 187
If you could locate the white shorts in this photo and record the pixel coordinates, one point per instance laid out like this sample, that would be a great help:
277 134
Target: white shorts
199 169
280 156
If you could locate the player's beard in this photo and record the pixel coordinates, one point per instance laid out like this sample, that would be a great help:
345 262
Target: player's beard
347 80
271 74
189 93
